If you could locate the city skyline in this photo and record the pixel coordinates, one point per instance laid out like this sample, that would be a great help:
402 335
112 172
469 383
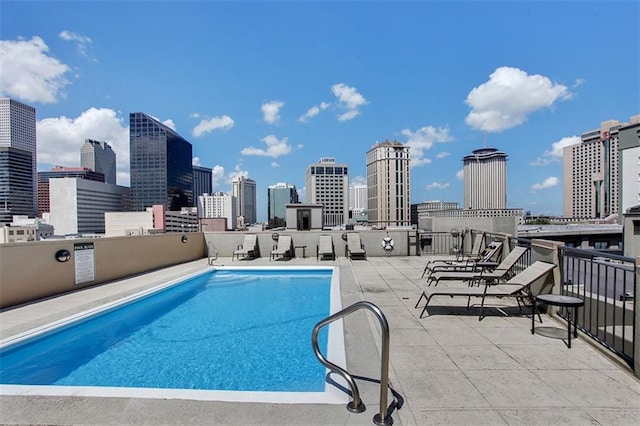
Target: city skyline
263 89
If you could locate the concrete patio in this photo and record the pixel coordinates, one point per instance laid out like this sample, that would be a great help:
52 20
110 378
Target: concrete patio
451 368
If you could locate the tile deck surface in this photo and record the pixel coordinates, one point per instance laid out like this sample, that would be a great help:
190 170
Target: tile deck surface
451 368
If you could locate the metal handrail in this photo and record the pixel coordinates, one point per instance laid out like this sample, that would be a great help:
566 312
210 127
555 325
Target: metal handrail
213 258
356 405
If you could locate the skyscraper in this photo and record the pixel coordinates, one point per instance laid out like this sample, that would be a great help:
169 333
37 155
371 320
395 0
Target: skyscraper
590 173
99 157
202 181
244 189
358 199
161 171
629 146
388 183
327 183
485 179
279 195
18 187
218 204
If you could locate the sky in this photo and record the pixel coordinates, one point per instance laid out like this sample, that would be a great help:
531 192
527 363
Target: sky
265 88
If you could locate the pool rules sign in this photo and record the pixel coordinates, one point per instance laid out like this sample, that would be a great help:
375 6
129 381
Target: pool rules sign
83 254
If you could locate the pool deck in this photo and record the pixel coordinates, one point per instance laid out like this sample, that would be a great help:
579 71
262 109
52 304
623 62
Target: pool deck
451 368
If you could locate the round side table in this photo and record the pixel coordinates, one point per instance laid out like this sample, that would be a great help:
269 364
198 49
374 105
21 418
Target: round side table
563 301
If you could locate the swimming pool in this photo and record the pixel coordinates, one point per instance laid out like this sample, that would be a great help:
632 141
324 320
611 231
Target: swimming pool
186 337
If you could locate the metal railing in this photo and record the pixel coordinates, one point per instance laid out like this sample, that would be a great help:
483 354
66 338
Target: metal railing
432 243
606 282
356 405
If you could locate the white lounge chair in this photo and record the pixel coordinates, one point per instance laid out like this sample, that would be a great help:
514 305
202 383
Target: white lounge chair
355 249
248 249
501 272
519 286
325 248
284 248
491 254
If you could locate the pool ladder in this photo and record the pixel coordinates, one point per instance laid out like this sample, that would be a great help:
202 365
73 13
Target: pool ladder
356 405
212 252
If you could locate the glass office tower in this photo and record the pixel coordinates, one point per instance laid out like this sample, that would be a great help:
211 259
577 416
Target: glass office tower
161 171
279 195
18 190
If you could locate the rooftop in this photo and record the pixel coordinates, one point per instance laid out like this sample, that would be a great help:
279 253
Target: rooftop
449 367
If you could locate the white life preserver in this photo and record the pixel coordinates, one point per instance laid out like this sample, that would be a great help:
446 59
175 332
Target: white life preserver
387 244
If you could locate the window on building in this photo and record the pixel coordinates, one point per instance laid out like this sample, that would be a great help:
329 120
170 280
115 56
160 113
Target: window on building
600 245
636 227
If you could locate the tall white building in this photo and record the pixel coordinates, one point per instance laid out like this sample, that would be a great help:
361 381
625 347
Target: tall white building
18 166
591 174
485 179
357 199
388 183
629 146
78 205
218 204
244 190
99 157
327 184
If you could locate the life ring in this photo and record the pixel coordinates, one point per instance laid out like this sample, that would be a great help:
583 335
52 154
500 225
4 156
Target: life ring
275 236
387 244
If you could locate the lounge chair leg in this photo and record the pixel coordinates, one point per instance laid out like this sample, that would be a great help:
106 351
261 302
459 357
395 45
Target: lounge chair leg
418 302
425 307
481 310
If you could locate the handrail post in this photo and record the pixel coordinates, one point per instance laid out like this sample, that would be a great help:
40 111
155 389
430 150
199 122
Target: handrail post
356 405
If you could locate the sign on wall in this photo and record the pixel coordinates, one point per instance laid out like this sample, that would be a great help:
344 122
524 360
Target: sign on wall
84 262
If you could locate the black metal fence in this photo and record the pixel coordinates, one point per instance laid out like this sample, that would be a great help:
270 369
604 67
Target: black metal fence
606 282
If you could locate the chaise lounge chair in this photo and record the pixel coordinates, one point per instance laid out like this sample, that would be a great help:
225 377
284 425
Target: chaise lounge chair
476 249
492 273
490 255
284 248
355 248
519 286
248 249
325 248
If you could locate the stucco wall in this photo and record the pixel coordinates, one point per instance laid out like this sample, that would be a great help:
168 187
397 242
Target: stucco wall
29 271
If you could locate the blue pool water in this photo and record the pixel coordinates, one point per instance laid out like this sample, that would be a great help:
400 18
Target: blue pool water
246 330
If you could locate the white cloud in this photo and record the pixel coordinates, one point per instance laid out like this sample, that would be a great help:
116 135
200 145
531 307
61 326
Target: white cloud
83 43
275 147
313 111
424 139
169 123
460 174
549 182
271 111
195 161
274 164
437 185
555 155
237 172
60 138
442 154
208 125
29 73
348 99
218 176
358 180
509 97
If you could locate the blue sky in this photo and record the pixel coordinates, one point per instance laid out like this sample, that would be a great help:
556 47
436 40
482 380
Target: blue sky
265 88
